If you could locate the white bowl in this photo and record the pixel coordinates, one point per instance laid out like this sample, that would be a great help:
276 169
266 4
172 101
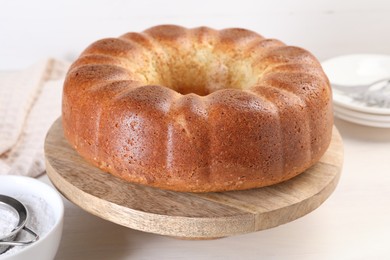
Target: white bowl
47 245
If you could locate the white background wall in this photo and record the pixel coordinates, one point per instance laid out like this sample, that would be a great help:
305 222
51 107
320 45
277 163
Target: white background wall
32 30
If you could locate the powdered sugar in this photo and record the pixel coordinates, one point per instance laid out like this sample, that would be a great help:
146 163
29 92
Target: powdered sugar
41 220
8 220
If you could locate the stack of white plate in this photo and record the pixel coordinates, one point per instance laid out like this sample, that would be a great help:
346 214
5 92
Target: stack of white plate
354 70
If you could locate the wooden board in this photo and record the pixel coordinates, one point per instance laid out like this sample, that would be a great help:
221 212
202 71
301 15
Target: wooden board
189 215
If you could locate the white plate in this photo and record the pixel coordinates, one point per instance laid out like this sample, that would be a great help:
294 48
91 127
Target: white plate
357 69
360 121
364 116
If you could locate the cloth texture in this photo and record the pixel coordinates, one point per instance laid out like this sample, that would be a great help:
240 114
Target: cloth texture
30 101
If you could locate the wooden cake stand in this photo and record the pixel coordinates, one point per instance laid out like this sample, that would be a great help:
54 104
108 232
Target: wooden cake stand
189 215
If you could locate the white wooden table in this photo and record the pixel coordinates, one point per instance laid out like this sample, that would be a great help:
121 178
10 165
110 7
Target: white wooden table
353 224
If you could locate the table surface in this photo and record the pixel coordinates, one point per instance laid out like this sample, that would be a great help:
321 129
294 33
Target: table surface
354 223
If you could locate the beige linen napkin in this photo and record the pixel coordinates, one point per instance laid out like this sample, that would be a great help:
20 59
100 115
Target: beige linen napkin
30 101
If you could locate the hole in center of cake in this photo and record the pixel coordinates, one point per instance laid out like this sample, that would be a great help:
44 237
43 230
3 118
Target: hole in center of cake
203 72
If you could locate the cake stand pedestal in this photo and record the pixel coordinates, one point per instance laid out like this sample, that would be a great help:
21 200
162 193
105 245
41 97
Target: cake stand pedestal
189 215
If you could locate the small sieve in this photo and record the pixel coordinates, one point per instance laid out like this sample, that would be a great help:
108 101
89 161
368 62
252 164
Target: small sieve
8 240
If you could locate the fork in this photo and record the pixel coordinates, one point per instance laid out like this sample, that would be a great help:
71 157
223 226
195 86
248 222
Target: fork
375 94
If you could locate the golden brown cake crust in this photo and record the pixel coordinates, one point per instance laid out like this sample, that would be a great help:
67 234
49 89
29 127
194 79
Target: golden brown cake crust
198 109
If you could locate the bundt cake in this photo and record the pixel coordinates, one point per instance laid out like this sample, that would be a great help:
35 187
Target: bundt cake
198 110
